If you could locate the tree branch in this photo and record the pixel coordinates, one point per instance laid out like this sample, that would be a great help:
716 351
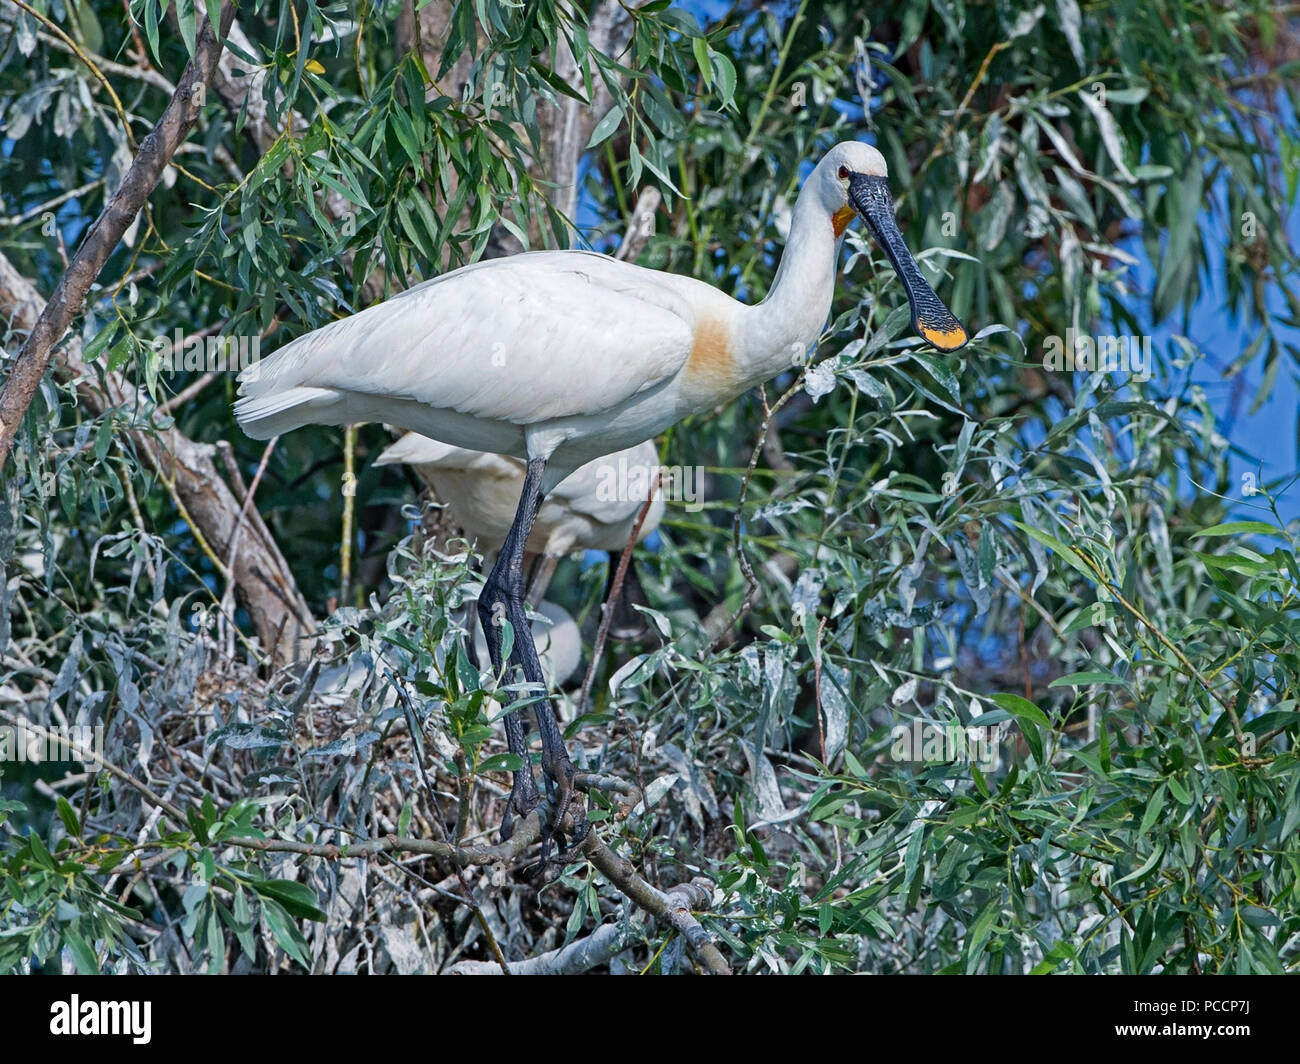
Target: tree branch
673 909
598 948
28 368
266 585
641 225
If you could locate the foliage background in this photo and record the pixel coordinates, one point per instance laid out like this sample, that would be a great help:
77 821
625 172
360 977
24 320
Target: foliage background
1074 558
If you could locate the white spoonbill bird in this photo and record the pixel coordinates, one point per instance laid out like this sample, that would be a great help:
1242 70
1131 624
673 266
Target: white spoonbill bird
559 357
594 508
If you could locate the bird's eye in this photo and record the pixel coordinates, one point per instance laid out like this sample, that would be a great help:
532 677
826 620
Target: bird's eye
844 173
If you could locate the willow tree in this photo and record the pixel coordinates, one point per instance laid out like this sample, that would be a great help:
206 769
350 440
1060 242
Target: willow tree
904 559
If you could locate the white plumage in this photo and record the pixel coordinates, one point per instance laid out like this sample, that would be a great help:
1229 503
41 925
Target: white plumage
570 355
560 357
594 508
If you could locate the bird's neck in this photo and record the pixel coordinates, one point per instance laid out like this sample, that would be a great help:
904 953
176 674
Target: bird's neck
780 332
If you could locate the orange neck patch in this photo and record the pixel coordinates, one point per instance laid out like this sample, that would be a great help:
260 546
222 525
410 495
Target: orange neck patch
841 218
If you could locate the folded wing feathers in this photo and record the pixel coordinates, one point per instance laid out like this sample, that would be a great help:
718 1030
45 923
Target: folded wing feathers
489 341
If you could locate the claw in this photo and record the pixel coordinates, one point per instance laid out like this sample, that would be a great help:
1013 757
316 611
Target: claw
581 829
564 791
561 776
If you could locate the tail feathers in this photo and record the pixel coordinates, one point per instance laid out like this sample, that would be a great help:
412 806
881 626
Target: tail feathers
271 413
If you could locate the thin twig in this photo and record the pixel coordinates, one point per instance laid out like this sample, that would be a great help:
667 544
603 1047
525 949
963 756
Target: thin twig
40 209
751 582
75 49
87 753
615 589
349 507
640 225
186 394
817 686
435 818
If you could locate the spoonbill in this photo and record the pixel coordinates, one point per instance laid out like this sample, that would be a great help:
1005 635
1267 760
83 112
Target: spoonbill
559 357
594 508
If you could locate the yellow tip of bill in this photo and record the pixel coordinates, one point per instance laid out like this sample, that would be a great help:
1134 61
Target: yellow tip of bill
944 339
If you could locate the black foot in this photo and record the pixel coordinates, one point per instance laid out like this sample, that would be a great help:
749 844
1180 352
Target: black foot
581 829
559 776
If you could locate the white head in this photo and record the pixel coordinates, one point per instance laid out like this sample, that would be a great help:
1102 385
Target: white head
851 180
836 168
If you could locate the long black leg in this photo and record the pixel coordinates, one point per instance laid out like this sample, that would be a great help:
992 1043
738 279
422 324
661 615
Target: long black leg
523 788
524 795
503 598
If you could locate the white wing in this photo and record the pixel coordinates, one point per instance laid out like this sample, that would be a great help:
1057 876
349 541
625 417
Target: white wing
416 450
519 340
593 507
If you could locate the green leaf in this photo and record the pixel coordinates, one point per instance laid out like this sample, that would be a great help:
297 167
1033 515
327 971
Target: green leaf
501 763
1257 917
938 369
1179 791
69 817
980 930
605 128
701 49
1029 717
1240 528
724 71
82 955
1058 548
100 341
1022 709
213 8
1247 563
1143 868
1079 679
242 923
912 856
400 123
1153 810
152 13
297 898
187 22
286 932
103 438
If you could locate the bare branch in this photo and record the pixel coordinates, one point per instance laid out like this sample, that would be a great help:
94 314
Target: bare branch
641 225
28 368
615 589
677 912
266 585
602 945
